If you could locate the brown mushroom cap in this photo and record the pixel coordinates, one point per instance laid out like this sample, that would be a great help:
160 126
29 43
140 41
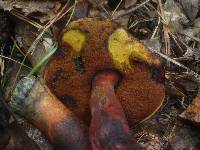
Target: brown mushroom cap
87 46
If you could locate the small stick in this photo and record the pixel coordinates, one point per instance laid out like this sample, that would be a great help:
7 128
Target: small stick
123 13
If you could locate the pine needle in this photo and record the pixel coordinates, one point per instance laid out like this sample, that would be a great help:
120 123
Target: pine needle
44 59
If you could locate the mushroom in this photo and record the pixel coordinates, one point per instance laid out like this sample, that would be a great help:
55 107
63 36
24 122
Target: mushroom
38 105
88 46
93 49
109 128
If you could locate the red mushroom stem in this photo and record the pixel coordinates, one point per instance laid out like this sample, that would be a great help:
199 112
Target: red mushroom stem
38 105
109 128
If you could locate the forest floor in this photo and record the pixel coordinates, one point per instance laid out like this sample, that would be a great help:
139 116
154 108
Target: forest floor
169 27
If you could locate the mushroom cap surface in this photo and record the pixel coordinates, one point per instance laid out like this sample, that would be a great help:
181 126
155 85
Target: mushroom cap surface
90 45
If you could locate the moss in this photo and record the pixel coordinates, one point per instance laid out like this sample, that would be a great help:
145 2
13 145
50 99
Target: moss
123 49
75 39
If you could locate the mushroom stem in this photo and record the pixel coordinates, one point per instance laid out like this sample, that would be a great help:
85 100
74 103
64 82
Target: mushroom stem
38 105
109 128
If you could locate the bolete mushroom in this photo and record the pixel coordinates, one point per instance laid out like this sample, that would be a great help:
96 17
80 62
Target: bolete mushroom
94 52
38 105
109 128
90 45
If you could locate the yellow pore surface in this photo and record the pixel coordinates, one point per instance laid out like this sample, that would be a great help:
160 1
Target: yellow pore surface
123 48
74 38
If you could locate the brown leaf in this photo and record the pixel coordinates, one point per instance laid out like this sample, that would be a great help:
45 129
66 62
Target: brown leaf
184 137
42 10
190 7
192 113
129 3
186 83
174 91
19 140
174 16
96 3
81 10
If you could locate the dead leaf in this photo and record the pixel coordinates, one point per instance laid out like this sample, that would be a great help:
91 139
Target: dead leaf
186 83
42 10
96 3
174 16
25 34
174 91
184 138
153 43
19 139
192 113
81 10
190 7
129 3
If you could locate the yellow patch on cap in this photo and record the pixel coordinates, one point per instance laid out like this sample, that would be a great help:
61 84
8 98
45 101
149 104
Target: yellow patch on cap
123 48
75 39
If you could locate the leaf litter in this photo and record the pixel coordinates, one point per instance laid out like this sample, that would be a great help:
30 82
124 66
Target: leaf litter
171 28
